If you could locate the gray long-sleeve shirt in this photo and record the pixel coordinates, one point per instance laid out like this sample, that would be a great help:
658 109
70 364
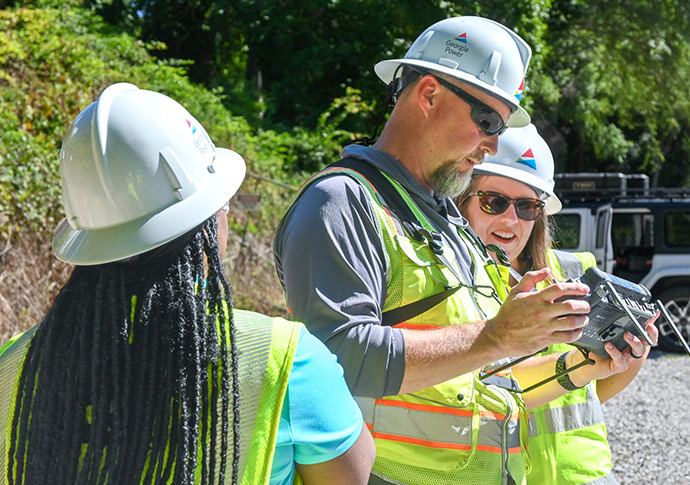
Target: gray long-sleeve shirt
333 268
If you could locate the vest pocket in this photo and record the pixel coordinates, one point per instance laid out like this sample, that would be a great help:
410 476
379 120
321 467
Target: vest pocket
411 248
420 254
421 273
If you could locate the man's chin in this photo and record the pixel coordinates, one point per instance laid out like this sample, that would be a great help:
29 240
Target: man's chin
450 181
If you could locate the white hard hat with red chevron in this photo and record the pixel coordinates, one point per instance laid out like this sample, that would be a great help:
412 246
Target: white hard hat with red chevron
476 50
138 170
523 155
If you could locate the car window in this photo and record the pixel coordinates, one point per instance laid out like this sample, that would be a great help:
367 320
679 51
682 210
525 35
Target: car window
632 232
566 231
677 228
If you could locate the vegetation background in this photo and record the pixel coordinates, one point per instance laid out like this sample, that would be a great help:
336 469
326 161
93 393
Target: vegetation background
287 82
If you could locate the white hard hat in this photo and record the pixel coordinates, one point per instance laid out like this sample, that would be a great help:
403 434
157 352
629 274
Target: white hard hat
523 155
476 50
137 171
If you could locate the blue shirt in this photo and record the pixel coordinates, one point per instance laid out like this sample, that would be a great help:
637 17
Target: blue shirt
319 420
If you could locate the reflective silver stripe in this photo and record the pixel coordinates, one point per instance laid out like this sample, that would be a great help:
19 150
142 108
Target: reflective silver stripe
10 367
438 427
571 266
377 478
609 479
366 405
253 336
491 433
532 428
567 418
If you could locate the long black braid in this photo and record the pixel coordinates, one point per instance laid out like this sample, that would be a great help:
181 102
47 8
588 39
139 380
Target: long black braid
122 379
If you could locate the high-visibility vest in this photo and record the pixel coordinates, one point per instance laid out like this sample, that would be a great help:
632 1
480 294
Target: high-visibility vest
462 431
265 351
567 436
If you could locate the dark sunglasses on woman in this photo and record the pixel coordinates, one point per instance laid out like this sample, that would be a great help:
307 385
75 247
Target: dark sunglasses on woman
495 203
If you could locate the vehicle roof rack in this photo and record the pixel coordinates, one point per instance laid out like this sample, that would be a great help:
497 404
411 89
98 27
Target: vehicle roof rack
612 186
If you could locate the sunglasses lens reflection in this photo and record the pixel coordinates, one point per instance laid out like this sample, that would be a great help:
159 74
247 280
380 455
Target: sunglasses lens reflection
495 204
489 121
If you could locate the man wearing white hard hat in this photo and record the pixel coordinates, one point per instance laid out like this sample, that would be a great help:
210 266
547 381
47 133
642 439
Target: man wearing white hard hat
142 371
507 204
376 259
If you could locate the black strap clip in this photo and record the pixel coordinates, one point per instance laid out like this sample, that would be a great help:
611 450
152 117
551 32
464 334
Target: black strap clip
432 238
500 254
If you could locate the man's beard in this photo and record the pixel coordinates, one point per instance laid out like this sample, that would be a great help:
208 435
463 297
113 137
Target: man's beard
448 181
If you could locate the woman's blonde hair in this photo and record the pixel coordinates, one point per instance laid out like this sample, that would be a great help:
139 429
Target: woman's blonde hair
534 253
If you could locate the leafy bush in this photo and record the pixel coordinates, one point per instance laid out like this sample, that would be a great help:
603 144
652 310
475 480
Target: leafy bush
54 61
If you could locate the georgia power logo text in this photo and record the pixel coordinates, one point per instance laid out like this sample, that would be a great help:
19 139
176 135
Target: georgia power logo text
458 46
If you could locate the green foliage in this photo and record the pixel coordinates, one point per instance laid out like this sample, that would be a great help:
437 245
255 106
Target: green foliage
282 63
43 76
606 83
287 83
622 68
54 62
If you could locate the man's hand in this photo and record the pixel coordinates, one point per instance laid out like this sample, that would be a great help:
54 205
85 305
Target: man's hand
529 321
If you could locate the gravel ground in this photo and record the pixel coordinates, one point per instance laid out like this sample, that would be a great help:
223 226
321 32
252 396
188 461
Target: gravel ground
649 424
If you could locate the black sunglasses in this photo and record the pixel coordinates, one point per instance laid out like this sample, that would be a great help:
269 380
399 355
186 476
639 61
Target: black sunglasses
494 203
485 117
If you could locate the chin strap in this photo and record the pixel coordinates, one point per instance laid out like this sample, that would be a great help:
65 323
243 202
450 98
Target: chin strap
395 87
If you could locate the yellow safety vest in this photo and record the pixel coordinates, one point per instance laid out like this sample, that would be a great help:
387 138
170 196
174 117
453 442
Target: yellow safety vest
265 351
567 436
461 431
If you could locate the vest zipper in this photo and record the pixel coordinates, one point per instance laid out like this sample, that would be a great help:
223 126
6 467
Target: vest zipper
507 478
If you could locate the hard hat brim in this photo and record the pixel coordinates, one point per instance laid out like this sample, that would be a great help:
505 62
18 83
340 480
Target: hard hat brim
552 203
98 246
518 118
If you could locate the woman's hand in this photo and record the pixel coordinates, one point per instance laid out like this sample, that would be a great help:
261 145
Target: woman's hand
618 361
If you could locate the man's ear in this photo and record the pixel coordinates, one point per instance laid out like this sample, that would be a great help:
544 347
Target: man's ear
427 93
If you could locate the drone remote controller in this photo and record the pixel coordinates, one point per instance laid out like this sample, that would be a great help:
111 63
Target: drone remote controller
617 306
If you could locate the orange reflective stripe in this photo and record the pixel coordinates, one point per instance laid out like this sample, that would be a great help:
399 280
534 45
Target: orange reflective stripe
341 169
319 174
369 426
423 407
417 441
439 444
496 449
500 417
395 226
490 449
441 409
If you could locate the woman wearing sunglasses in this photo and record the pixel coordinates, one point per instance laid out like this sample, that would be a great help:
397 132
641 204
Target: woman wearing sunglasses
507 204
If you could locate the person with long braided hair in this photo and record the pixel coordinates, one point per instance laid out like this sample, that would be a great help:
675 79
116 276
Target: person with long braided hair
142 371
